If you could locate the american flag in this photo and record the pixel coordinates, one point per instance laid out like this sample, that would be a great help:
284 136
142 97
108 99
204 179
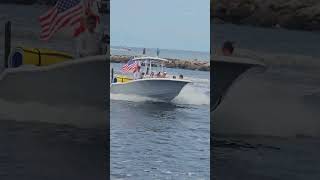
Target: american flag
131 66
64 13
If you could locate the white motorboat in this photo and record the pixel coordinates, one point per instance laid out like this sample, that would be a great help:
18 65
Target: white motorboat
161 88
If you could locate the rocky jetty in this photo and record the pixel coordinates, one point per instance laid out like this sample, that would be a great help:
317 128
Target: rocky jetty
172 63
290 14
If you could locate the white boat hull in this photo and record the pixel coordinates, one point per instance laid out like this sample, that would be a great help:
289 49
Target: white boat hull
78 84
157 88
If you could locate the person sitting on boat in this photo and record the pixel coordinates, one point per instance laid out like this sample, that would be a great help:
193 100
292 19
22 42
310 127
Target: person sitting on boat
142 75
174 77
137 74
151 74
164 75
180 76
158 75
90 42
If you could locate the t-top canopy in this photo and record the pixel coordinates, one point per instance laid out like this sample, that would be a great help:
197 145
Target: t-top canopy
149 58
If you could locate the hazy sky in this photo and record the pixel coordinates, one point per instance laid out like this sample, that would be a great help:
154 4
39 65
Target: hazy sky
166 24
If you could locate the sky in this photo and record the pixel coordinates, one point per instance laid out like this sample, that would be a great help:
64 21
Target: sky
164 24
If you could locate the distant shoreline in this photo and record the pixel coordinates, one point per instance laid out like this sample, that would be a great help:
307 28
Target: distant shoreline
173 63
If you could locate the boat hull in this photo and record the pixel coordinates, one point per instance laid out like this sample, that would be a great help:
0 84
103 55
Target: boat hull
157 88
63 90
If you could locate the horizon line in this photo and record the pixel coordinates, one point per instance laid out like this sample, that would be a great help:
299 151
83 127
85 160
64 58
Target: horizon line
161 48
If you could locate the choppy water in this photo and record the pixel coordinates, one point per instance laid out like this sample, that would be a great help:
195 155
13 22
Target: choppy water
267 125
34 150
156 140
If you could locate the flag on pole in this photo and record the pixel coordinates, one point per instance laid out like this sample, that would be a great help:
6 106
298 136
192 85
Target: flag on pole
65 13
131 66
158 51
144 51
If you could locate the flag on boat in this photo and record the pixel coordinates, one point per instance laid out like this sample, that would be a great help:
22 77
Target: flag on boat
144 51
65 13
131 66
158 51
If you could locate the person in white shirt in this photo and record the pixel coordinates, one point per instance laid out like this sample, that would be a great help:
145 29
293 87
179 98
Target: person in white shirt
137 74
90 42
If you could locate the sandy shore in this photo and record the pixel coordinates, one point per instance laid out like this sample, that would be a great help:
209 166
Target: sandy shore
173 63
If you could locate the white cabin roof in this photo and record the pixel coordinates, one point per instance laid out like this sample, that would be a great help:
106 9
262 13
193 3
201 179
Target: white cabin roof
149 58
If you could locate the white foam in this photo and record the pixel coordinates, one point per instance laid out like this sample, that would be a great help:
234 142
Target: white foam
192 95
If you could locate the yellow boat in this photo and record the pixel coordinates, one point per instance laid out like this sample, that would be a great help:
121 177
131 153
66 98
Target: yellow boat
123 79
36 56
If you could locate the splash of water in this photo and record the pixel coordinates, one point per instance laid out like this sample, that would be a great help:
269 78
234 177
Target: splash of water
192 95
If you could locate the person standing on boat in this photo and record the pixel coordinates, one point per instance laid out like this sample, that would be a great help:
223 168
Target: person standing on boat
137 74
90 42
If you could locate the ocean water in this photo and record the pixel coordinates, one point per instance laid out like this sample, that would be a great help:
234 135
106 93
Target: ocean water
267 126
156 140
35 150
164 53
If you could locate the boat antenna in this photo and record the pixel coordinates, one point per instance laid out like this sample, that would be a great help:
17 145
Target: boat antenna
144 51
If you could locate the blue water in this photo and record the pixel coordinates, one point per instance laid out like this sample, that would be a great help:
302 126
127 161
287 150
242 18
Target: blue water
156 140
164 53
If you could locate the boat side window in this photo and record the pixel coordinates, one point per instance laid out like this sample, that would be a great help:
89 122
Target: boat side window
174 77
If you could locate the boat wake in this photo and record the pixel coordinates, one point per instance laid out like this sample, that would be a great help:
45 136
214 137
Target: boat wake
193 95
